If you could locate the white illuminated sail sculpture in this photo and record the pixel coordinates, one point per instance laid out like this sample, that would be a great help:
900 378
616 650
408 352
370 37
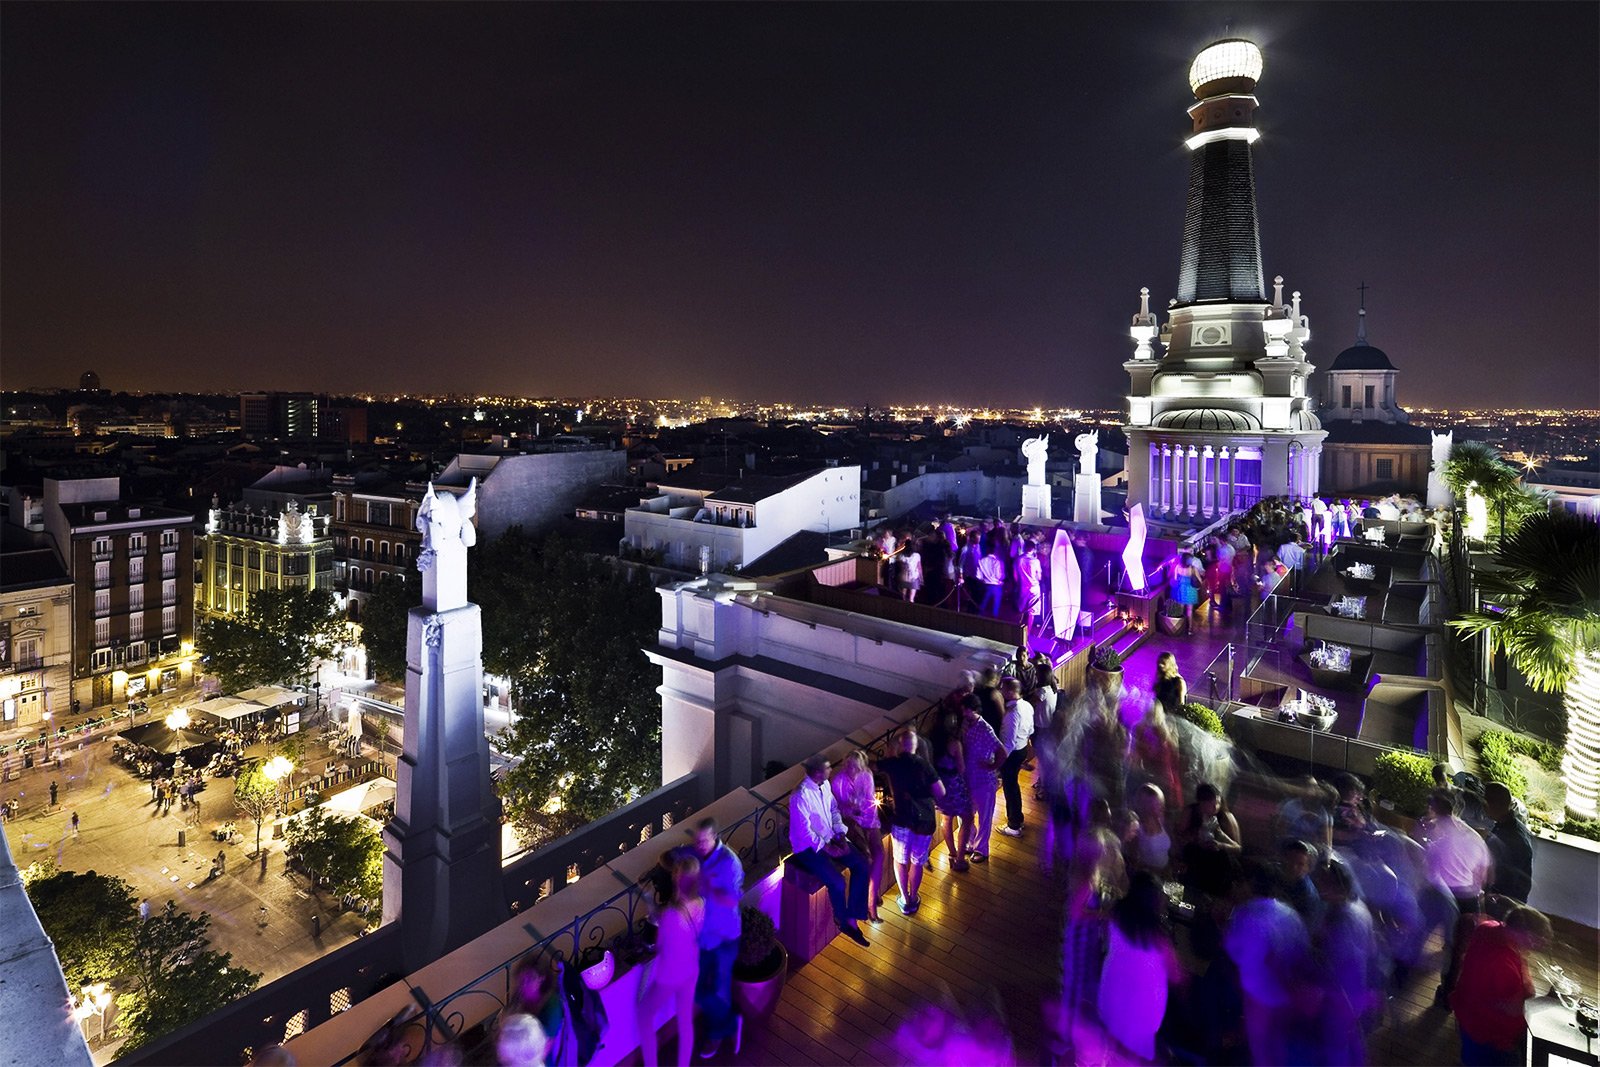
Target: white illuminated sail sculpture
1133 555
1066 585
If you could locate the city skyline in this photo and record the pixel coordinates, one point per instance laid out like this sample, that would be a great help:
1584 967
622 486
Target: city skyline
845 204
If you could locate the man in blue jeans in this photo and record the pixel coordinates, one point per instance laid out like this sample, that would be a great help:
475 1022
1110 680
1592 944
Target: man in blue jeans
817 835
722 884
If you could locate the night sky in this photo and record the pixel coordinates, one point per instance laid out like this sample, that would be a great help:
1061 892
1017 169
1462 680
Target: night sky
823 203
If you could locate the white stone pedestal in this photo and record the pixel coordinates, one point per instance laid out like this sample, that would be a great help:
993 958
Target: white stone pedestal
1036 503
1086 499
1439 495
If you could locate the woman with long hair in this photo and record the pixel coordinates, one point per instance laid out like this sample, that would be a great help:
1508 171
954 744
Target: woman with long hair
1172 692
1139 966
857 796
676 966
1209 837
955 807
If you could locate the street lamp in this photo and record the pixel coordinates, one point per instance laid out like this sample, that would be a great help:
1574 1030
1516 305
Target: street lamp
96 999
178 720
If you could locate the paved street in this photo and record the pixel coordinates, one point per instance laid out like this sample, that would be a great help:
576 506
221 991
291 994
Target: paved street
264 919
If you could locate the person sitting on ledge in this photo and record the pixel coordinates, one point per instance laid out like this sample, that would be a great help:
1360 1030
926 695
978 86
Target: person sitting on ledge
821 847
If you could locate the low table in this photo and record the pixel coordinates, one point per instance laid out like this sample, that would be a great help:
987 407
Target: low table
1552 1031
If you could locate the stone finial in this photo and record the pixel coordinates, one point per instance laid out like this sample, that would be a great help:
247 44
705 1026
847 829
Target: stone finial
1144 300
1277 291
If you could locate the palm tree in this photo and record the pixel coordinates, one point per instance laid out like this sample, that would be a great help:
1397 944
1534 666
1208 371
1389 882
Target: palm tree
1475 467
1542 608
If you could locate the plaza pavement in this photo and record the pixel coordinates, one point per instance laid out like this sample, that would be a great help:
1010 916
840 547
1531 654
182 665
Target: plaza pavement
264 919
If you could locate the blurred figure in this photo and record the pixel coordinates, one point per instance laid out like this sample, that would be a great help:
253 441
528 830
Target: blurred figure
983 753
522 1042
1458 868
1510 845
675 968
1494 985
1296 861
1154 758
1352 970
1139 967
1210 840
955 806
1268 943
857 797
1152 848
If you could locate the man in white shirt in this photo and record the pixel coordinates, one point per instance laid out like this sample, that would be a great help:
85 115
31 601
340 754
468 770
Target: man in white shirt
817 835
992 576
1016 727
1458 864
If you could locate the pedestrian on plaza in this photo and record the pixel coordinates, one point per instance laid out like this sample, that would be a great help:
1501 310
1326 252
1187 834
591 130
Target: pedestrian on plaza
53 791
155 790
74 825
144 908
222 861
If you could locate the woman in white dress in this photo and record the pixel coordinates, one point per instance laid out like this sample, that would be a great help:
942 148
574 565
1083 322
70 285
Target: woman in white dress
1139 967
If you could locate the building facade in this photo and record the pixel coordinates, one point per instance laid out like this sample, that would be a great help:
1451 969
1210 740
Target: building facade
246 549
725 525
375 537
1371 449
35 631
532 490
1223 416
132 573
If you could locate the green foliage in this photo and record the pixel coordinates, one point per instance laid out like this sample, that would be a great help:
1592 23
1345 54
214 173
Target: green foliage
175 975
569 630
274 641
1105 658
91 918
757 938
1203 717
1578 826
1404 779
383 626
1496 759
1546 580
37 870
255 796
342 854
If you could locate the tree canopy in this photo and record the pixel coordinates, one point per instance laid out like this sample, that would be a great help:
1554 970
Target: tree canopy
91 918
276 640
176 976
255 796
344 854
567 628
383 626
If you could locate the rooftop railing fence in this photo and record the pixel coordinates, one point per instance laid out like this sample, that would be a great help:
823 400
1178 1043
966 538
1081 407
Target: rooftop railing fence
468 1014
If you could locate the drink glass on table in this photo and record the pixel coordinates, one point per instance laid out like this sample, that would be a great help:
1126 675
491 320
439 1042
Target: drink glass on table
1588 1018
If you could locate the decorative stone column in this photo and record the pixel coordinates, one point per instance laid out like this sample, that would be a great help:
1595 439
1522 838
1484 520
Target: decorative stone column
441 876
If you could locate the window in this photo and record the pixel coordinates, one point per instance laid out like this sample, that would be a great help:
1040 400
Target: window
169 565
169 591
399 553
136 598
137 651
135 628
27 652
102 574
102 548
102 631
135 543
102 602
136 569
1384 470
1344 397
169 538
1369 402
169 621
101 660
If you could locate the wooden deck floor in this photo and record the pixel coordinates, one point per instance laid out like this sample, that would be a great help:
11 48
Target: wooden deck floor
993 935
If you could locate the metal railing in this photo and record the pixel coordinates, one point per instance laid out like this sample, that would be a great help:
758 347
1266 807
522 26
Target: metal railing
445 1020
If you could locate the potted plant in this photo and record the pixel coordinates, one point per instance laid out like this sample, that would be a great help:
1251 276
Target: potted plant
761 967
1171 620
1105 669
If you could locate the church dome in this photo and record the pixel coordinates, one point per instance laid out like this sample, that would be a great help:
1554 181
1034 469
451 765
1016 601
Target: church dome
1215 420
1361 356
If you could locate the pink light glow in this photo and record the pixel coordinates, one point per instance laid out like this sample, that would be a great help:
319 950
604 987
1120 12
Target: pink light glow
1133 554
1066 585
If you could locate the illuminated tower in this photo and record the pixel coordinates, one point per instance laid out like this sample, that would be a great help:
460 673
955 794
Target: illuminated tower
1223 417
